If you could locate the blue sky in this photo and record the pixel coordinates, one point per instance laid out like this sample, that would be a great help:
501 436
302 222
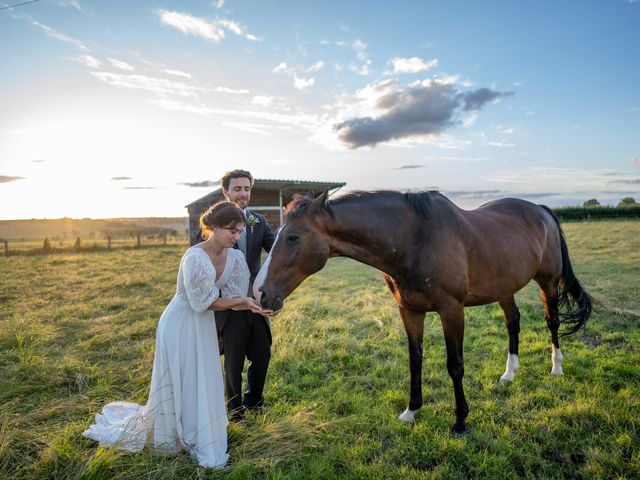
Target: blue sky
136 108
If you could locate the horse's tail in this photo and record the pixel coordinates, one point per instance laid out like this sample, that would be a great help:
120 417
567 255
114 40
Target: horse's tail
573 300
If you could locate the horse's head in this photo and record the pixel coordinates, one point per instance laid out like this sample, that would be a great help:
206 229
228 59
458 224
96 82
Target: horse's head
301 249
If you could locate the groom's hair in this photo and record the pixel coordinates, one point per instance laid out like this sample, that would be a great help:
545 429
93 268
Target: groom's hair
226 178
220 215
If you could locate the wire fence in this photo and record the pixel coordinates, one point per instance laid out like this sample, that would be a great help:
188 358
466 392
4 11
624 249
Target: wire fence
49 246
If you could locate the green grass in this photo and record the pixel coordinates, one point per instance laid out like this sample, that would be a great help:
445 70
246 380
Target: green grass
76 331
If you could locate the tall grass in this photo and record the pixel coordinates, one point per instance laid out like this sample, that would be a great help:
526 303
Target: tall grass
77 329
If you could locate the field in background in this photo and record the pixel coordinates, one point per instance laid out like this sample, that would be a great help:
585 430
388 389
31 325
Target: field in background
32 237
77 330
68 229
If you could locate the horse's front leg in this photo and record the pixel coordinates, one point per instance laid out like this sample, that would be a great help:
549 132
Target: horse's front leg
452 317
414 326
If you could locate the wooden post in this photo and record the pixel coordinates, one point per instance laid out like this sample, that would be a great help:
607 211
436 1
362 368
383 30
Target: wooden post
138 240
6 248
164 241
109 243
77 245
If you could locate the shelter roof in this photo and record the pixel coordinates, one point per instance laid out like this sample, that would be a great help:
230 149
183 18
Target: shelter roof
275 184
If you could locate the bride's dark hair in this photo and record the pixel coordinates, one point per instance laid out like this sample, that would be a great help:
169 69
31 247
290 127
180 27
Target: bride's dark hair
220 215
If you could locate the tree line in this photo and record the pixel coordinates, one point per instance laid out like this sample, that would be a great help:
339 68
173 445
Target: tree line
593 210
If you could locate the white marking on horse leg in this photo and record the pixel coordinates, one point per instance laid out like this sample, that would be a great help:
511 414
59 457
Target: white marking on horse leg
556 359
407 416
512 366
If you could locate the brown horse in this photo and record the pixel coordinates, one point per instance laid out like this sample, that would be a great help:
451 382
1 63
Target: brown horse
435 257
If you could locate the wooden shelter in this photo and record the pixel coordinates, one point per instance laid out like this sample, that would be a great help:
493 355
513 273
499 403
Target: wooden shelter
268 197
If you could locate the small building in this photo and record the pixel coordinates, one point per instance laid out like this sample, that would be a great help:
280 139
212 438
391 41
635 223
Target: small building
268 197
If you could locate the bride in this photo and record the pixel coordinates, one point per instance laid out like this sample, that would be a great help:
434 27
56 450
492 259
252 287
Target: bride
186 407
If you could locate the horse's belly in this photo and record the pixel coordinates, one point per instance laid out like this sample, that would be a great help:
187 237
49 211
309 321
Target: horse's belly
474 300
491 292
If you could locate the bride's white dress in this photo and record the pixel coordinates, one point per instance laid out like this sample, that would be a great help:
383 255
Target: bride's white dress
186 407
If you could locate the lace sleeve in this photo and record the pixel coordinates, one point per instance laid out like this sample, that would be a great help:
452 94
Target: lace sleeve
199 281
238 284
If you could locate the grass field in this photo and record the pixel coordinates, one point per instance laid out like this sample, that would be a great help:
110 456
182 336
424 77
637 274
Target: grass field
76 331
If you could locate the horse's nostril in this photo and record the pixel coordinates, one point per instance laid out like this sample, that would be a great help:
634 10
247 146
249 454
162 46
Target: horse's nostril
277 304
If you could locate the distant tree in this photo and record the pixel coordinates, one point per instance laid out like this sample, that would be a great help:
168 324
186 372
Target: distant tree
628 202
592 202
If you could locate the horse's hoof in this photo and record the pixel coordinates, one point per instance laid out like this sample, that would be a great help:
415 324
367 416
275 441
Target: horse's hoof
408 416
506 379
557 371
460 431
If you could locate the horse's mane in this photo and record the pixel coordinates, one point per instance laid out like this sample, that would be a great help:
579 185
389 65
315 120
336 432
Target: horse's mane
419 201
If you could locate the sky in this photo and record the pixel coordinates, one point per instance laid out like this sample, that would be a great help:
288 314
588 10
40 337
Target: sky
134 109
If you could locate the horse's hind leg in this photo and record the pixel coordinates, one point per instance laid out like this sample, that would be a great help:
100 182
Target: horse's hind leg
414 326
549 293
512 321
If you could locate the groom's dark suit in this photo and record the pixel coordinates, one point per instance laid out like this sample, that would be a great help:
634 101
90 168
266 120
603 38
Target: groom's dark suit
247 334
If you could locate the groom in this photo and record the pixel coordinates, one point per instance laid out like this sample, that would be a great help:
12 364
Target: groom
245 334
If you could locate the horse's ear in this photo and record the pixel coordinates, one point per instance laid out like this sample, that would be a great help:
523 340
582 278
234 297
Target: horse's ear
321 203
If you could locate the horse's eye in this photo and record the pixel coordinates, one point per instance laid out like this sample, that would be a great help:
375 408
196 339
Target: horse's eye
293 239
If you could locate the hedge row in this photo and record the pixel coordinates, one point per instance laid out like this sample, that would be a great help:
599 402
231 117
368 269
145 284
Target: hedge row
596 213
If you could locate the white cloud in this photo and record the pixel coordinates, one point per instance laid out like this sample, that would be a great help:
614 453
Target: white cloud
282 68
635 161
57 35
559 178
363 69
359 46
158 86
258 128
364 65
233 27
299 121
73 4
299 82
219 4
191 25
213 30
470 120
240 91
88 60
262 100
412 65
177 73
120 64
303 83
316 67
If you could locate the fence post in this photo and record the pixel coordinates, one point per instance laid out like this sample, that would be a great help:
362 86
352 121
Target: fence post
109 243
164 241
46 246
138 240
77 244
6 248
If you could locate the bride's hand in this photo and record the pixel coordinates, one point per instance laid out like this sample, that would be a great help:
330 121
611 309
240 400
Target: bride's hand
255 306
